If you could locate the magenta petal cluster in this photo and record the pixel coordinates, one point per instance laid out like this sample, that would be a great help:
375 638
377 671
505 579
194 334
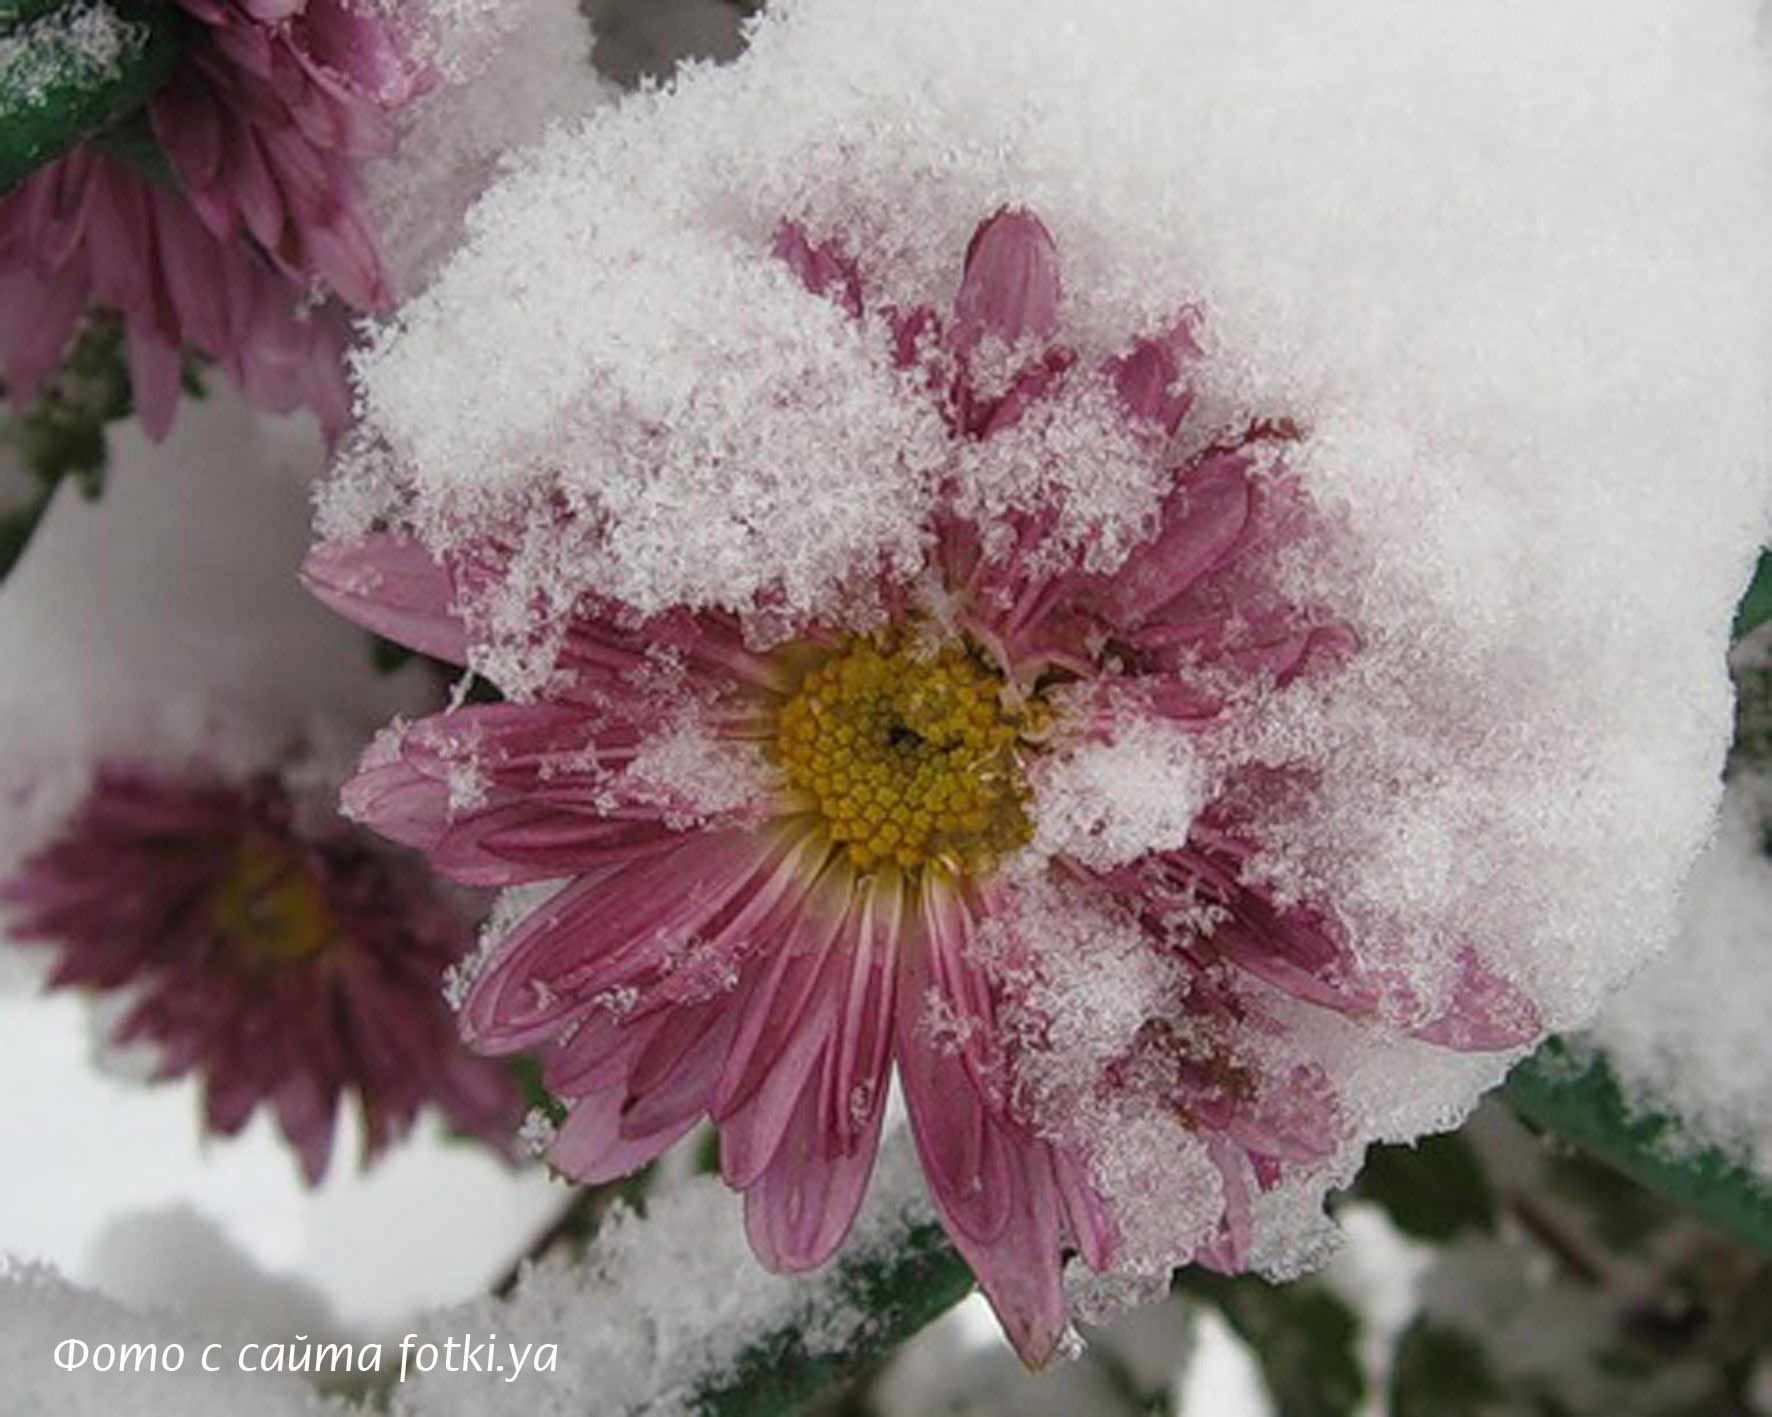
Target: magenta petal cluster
870 901
257 252
284 967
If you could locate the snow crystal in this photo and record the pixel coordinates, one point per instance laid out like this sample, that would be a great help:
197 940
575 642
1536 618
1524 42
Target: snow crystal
1504 266
1105 804
510 69
695 777
81 43
1688 1038
662 1306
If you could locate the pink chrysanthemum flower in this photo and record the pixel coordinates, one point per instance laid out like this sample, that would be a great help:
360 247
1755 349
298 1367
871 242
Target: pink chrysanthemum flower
255 258
879 886
282 965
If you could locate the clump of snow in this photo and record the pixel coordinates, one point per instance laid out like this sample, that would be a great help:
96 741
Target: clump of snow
1504 267
507 70
1107 803
1688 1038
695 777
663 1306
82 43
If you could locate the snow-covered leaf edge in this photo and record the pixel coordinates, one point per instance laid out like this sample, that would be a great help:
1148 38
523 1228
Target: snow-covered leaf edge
1576 1095
42 117
1756 602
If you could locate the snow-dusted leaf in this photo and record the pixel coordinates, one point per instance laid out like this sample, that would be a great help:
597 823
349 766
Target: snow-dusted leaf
1756 603
72 70
1579 1098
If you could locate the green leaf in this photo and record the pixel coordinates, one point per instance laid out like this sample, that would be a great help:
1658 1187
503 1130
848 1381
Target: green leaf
58 86
1755 607
1302 1334
1440 1372
1434 1190
1580 1100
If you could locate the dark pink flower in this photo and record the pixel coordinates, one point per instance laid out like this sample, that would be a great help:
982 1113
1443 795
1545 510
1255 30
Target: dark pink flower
282 966
869 892
255 257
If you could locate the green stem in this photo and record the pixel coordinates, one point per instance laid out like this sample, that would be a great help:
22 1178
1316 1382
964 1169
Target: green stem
67 72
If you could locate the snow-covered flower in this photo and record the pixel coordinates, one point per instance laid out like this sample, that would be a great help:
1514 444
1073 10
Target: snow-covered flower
278 954
929 829
259 250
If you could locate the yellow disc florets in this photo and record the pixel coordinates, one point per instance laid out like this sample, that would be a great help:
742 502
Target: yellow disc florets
271 907
910 758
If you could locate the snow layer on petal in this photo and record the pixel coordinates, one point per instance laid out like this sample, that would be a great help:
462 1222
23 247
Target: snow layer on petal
1107 803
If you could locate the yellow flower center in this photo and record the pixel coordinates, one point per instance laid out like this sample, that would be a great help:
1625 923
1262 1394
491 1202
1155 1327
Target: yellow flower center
909 758
271 906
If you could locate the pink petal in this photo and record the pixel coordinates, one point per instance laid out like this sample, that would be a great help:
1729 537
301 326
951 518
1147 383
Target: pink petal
967 1166
604 931
307 1113
1010 286
1204 523
1228 1251
799 1210
155 368
1487 1013
822 269
1020 1269
673 1075
1147 378
591 1148
784 999
392 586
1087 1217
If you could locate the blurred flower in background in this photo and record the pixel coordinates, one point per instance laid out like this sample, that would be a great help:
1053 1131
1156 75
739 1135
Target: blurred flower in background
270 950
